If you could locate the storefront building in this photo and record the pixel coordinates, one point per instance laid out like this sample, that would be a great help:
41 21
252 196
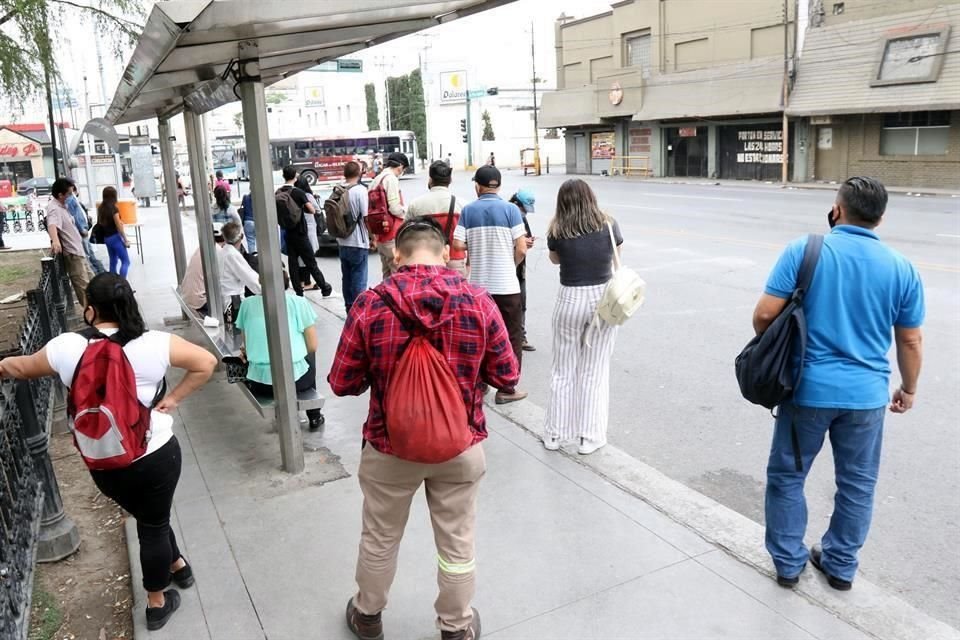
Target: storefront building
651 88
21 157
880 96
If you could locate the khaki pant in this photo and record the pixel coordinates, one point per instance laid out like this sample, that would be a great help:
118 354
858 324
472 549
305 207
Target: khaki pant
389 484
386 251
78 268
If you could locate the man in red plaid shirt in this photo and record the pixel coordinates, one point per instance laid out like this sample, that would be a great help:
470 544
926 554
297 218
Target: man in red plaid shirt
467 329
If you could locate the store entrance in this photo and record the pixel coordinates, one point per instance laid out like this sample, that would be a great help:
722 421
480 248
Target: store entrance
687 152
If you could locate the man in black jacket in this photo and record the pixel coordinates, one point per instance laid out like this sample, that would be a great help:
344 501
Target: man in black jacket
298 242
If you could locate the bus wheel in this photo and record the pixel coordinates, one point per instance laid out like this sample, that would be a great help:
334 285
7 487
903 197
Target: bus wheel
309 176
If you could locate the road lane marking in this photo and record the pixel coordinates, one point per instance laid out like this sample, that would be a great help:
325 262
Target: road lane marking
682 195
637 206
948 235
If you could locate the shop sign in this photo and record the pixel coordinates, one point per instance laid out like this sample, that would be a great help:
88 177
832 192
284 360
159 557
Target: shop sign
453 87
760 147
688 132
602 145
616 94
19 150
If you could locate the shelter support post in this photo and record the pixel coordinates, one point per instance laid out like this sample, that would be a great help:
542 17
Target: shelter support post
173 202
268 246
208 250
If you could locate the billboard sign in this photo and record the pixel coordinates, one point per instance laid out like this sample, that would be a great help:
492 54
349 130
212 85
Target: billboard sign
313 97
453 87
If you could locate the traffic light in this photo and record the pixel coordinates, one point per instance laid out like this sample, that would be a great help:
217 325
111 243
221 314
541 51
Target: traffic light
463 129
492 91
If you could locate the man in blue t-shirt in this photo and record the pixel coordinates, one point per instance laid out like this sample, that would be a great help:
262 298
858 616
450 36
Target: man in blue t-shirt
862 291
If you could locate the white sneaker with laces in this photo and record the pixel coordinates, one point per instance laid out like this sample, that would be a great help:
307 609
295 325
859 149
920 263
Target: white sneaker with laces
588 446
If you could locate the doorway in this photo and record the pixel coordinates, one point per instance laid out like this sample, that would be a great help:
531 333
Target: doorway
687 152
580 153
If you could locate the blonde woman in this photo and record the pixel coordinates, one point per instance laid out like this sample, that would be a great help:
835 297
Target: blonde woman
579 241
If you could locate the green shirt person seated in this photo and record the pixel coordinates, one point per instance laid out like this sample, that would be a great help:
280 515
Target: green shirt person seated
303 346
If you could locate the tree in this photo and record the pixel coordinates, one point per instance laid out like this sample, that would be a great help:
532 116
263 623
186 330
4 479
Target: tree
407 107
238 120
275 97
373 116
487 127
27 54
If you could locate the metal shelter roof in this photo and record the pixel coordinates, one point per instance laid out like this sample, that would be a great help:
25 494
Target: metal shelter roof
184 54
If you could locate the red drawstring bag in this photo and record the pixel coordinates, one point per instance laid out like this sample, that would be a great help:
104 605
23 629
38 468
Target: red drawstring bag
423 407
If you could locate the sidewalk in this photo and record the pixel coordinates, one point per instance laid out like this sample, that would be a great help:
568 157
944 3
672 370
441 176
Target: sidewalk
562 552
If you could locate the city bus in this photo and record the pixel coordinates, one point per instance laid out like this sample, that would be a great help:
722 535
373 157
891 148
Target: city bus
225 159
322 158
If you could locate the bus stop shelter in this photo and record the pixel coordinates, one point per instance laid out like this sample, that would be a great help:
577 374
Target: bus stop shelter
196 55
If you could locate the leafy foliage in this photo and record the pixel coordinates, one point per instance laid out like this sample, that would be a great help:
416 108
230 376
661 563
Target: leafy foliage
373 115
407 108
30 28
487 127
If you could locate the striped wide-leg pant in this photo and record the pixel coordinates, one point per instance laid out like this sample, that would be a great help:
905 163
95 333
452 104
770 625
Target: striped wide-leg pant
580 381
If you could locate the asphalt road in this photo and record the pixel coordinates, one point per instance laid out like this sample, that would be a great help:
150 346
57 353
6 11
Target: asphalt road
705 252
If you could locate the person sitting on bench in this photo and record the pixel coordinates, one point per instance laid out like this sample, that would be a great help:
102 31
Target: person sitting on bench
303 346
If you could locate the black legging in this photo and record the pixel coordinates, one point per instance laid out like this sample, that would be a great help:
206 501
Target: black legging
145 490
298 246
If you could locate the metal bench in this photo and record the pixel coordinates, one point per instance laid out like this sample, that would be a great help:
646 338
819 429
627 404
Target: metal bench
225 342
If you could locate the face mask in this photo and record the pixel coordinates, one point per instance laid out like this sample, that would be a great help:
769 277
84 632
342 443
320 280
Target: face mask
830 219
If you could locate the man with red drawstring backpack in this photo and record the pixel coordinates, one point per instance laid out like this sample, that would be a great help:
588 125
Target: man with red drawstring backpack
426 343
385 211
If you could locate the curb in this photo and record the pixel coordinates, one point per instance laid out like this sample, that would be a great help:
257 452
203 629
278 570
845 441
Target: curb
869 608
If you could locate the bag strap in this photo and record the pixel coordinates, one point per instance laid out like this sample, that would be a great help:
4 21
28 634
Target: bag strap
449 225
613 243
411 326
811 255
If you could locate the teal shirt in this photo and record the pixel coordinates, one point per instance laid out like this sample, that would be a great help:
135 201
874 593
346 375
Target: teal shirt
300 315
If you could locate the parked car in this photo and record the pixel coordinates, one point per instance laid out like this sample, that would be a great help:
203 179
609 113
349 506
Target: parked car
35 186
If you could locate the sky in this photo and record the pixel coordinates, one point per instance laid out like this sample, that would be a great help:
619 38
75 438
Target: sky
494 45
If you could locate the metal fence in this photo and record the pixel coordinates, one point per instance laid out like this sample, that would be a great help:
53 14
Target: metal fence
29 496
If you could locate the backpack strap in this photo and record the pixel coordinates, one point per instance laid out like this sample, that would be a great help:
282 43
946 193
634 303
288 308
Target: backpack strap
448 227
811 255
409 324
613 243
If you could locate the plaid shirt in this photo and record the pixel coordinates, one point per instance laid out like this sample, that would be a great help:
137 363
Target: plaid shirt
466 327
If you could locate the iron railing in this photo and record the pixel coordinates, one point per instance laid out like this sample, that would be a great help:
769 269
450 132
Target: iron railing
32 523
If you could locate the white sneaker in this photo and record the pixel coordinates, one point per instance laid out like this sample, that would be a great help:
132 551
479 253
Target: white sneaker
551 443
588 446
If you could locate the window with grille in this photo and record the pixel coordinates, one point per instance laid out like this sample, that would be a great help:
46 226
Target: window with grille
637 52
916 133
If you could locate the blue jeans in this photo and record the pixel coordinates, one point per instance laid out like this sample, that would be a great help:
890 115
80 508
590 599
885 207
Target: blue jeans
119 257
95 263
250 232
856 437
353 268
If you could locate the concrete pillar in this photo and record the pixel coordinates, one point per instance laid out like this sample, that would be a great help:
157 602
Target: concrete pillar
801 149
656 150
713 151
208 255
173 203
268 245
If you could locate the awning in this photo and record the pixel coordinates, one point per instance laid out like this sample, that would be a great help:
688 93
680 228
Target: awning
839 62
187 47
748 88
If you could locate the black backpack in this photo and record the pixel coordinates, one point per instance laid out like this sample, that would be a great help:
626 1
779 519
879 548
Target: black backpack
765 366
289 213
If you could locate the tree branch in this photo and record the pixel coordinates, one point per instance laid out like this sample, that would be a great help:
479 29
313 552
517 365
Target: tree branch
127 26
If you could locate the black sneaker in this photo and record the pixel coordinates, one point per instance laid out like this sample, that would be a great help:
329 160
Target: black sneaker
158 616
317 421
816 552
326 291
183 578
470 633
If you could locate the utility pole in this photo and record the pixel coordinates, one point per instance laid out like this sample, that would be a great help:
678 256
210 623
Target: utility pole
426 92
469 132
536 118
106 105
786 93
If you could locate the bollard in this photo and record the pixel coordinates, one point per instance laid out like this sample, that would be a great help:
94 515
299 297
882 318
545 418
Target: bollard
59 536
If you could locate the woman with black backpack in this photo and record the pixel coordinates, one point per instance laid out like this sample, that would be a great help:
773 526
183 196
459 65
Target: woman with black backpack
136 466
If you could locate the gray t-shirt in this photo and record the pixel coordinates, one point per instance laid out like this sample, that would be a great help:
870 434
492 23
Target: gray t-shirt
360 238
586 260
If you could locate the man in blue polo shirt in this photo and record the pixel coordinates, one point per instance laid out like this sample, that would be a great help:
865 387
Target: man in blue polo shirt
491 230
862 291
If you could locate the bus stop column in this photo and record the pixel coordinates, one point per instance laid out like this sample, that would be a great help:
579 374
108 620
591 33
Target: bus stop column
201 208
268 245
173 203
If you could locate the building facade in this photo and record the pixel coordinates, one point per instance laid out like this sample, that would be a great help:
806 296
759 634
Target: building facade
878 93
653 88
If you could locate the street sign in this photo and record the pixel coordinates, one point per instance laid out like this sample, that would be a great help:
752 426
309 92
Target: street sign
477 93
344 66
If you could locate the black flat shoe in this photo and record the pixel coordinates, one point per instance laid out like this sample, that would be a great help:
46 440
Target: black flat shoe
316 422
840 585
158 616
183 578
